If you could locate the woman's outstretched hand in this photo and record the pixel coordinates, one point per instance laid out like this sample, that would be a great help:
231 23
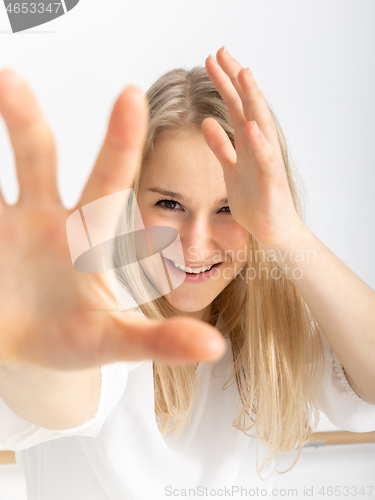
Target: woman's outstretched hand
45 304
257 187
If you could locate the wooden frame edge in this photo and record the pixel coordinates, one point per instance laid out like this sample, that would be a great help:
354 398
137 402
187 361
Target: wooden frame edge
321 438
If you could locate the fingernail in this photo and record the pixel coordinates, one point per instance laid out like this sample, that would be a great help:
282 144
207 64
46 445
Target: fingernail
213 59
255 128
249 74
10 80
225 51
137 94
215 343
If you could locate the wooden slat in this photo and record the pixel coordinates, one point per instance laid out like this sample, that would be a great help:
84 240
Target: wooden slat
328 438
7 457
343 437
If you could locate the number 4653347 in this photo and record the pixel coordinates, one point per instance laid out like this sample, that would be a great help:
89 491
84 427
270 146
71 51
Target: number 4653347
33 8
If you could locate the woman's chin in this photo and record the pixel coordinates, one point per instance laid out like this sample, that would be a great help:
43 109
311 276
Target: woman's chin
193 307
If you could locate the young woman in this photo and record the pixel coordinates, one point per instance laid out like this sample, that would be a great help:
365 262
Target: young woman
110 405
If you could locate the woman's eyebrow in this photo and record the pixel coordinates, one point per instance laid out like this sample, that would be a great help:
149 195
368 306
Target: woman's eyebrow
178 196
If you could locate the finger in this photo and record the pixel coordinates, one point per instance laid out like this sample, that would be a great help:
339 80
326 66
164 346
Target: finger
253 103
227 92
231 68
266 158
32 141
176 340
219 142
121 152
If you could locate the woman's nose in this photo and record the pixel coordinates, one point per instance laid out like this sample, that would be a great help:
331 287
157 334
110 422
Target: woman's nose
197 237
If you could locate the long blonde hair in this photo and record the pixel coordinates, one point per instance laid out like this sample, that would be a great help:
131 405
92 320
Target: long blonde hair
276 344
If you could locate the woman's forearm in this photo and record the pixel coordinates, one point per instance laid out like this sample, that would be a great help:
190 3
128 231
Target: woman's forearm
50 398
342 304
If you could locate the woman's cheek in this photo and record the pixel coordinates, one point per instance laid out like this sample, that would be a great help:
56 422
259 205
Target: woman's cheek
151 219
236 241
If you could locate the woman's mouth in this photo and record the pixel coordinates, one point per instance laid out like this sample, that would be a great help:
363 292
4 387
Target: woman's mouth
195 275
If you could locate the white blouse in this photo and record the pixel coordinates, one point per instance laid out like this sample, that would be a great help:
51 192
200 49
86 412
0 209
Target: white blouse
120 453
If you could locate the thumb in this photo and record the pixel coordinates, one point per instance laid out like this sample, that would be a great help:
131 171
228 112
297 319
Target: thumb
175 340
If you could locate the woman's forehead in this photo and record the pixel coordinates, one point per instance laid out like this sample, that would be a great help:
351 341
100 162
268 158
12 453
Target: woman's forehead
183 149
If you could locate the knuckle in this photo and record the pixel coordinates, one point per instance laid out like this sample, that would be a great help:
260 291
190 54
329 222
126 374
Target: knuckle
35 154
33 144
267 154
232 100
105 178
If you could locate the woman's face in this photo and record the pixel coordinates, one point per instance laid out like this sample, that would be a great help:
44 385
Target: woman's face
182 163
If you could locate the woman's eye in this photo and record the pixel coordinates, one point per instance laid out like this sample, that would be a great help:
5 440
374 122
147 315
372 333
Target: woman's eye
227 212
159 203
172 205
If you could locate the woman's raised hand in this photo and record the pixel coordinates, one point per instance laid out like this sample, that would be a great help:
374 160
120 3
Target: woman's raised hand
47 308
257 186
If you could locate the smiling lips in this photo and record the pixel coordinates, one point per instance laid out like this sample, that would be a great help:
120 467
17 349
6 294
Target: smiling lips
194 269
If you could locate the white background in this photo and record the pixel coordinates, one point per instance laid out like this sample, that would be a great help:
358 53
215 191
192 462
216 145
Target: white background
313 60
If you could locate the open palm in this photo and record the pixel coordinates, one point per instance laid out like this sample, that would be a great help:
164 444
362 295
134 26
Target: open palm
256 179
47 308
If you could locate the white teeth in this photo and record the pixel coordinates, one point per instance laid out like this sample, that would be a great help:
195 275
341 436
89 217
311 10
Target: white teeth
189 269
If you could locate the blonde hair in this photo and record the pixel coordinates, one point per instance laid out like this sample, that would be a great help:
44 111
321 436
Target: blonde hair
276 344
